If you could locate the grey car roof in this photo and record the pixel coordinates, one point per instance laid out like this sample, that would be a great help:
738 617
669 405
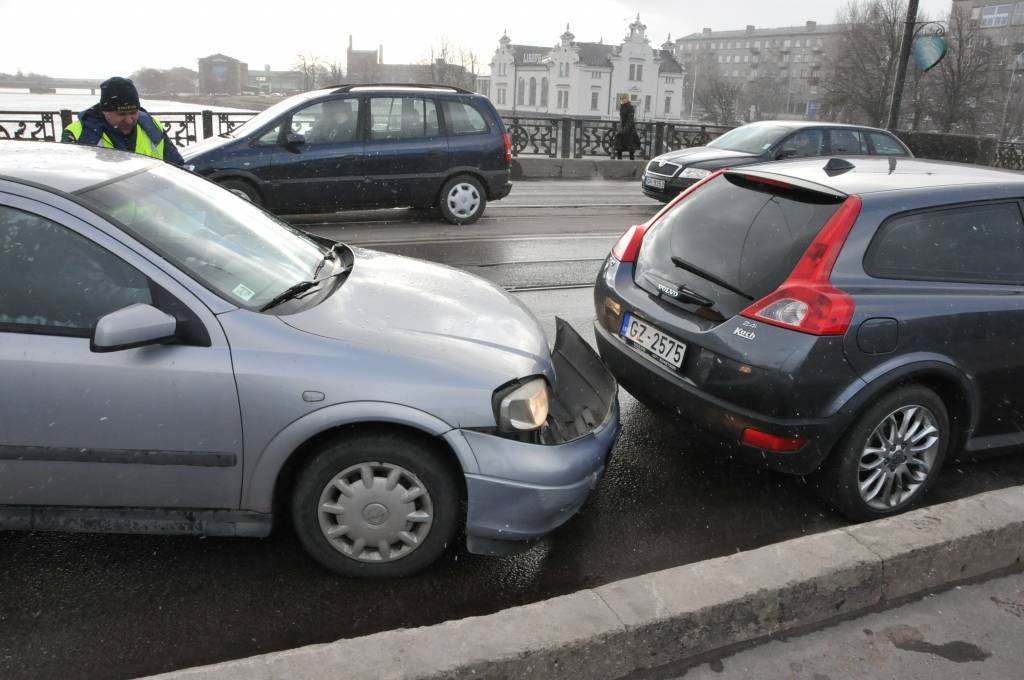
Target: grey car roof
874 174
67 167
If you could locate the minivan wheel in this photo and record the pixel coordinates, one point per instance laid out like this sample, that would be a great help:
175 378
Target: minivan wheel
889 457
462 200
378 505
242 189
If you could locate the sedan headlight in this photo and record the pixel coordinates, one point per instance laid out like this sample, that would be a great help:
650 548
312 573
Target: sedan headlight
694 173
523 407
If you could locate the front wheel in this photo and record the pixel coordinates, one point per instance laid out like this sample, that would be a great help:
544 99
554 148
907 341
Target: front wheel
242 189
890 457
380 505
463 200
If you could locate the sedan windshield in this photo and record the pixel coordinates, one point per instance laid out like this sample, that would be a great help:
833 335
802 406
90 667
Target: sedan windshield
750 138
223 241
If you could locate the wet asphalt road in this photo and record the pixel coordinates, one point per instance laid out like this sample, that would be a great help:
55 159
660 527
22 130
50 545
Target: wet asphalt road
96 606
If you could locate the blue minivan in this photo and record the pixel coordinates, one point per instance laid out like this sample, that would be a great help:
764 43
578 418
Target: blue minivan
366 146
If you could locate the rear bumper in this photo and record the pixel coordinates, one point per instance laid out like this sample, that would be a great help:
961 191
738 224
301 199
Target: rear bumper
498 184
525 490
679 397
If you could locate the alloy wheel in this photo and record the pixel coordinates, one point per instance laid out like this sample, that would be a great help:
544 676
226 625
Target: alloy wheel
898 457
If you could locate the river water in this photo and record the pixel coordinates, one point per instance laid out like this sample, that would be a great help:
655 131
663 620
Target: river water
78 100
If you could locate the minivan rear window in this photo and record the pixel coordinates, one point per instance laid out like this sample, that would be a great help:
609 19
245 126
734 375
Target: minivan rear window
733 241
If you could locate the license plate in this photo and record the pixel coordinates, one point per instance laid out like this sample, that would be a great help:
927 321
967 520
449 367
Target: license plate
654 183
653 341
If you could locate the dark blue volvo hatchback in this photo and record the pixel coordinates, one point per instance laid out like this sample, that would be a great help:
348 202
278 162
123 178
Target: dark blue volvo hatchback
366 146
850 319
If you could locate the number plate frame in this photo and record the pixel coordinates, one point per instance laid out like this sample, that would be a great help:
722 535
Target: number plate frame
647 338
654 182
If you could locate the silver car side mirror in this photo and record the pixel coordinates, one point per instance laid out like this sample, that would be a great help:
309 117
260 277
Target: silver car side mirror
133 326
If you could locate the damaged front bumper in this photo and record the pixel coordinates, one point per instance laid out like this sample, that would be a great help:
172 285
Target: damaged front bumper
525 490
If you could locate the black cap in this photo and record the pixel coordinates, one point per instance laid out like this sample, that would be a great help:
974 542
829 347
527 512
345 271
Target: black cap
119 94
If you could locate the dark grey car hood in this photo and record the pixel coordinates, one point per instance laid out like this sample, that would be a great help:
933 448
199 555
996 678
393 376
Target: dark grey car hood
411 307
701 154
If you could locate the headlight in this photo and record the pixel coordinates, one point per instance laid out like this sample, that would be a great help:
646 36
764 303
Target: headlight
694 173
525 407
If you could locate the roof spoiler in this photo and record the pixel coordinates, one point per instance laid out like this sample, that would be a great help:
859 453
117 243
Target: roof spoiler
785 182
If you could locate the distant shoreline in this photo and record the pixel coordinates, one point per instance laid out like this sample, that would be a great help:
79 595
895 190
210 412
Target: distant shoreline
241 101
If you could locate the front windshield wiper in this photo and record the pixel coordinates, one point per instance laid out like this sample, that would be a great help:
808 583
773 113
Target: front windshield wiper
331 254
684 265
289 293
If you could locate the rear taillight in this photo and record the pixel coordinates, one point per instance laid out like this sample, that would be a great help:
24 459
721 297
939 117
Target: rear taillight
508 147
628 246
805 301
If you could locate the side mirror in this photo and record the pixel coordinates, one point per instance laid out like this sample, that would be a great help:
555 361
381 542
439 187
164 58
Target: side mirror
133 326
294 139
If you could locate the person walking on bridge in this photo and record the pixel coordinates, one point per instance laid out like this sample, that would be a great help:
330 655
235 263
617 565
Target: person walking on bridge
118 122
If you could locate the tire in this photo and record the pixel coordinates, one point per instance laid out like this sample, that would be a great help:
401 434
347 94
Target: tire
382 539
863 458
462 200
242 188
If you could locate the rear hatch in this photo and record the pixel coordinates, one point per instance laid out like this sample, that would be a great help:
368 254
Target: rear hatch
732 242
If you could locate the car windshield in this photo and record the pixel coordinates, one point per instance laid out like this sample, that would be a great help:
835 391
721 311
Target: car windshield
750 138
266 116
226 243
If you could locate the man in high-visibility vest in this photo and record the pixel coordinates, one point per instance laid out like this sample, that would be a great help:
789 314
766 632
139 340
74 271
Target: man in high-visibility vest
118 122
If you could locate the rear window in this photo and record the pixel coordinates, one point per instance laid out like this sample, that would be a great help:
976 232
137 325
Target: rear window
463 119
886 145
970 244
745 234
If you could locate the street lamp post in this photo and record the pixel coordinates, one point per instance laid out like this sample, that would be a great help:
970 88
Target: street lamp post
1009 93
901 65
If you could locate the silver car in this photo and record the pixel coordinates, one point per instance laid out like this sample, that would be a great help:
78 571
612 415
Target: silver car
175 360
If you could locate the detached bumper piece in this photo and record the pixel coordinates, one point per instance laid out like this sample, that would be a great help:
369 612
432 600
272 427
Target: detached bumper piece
585 392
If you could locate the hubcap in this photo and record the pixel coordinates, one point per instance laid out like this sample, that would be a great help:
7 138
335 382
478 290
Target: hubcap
463 200
898 457
375 512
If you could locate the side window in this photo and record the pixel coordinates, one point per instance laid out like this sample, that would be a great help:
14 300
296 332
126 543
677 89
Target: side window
463 119
55 281
270 137
847 142
886 145
403 118
330 122
801 144
973 244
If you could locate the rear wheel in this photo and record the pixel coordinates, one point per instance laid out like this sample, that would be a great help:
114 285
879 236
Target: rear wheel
889 457
243 189
462 200
380 505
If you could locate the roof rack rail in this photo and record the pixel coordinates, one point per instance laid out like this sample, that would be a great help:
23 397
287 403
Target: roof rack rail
431 86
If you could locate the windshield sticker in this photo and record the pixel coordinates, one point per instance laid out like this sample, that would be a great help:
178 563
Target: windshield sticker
242 292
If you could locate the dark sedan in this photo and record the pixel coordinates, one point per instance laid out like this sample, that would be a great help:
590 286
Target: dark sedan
670 173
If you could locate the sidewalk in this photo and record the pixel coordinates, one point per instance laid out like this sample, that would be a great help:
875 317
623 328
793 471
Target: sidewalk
974 631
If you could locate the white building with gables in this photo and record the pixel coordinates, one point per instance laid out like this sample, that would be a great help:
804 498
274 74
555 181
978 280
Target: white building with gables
584 79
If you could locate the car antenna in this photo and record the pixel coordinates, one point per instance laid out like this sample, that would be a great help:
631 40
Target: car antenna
837 166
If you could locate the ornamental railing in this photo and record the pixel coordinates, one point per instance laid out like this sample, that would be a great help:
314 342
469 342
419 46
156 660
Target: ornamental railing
531 136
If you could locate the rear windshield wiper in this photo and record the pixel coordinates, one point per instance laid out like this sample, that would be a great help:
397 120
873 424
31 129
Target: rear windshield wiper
683 264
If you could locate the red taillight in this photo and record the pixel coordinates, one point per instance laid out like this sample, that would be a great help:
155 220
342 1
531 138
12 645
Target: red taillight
628 245
508 147
771 442
805 301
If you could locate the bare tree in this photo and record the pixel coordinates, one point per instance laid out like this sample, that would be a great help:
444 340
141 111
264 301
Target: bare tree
964 86
719 97
765 96
309 67
451 65
863 62
333 73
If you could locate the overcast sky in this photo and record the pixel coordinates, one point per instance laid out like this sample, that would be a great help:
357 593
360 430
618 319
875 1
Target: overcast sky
67 38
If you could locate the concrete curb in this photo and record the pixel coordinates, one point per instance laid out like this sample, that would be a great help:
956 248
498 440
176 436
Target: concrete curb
576 168
670 616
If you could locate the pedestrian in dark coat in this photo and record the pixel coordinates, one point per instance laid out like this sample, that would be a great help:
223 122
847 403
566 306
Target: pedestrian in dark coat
626 139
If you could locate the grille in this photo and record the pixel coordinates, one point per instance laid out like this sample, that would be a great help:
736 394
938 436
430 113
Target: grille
667 170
